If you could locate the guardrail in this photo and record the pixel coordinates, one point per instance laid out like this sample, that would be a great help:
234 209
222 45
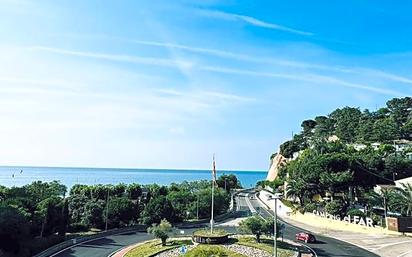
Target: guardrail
71 242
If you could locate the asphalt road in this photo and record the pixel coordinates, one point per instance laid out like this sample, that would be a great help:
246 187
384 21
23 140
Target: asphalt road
105 246
324 247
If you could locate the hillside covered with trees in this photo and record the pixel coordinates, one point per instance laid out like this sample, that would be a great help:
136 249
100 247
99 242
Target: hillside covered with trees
342 156
351 125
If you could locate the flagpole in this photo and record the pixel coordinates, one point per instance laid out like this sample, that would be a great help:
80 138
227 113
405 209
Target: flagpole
213 191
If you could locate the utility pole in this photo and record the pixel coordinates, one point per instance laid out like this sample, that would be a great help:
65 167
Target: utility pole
197 207
213 200
275 218
275 250
213 193
107 208
385 212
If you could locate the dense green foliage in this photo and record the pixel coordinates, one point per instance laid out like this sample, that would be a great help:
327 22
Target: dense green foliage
35 210
257 226
341 157
351 125
161 230
35 216
153 247
212 250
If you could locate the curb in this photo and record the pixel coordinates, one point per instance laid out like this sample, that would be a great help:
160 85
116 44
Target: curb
132 246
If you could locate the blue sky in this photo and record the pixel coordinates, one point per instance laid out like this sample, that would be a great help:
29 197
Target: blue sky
165 84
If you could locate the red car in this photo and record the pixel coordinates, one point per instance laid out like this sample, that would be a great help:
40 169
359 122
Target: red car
306 237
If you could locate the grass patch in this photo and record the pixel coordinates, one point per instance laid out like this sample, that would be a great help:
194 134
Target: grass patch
206 233
212 250
266 244
153 247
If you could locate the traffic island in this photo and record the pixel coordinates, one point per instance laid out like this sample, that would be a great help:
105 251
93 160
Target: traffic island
154 248
243 246
204 236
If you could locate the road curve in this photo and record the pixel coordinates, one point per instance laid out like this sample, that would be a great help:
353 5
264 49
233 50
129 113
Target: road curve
326 246
105 246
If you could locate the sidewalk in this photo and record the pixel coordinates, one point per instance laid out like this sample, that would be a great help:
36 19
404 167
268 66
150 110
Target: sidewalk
382 244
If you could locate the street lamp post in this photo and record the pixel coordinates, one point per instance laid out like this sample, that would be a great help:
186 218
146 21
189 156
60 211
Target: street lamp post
107 208
197 207
275 219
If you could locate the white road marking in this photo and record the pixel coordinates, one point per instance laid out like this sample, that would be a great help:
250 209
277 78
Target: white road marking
391 244
404 254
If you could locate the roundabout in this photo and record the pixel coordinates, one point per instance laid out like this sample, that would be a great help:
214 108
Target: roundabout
235 246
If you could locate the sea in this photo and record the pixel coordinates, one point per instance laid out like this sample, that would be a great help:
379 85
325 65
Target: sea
19 176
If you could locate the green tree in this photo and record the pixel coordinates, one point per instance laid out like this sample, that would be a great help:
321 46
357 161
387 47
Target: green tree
134 191
121 211
324 127
181 201
221 202
385 130
161 230
228 182
347 122
400 109
380 199
308 127
402 199
77 204
43 190
93 213
157 209
364 132
14 230
397 166
335 207
253 225
50 211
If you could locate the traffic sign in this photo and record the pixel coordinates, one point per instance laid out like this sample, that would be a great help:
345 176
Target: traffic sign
183 249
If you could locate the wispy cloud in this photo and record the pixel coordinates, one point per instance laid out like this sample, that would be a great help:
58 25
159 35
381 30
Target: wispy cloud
117 57
204 95
291 75
279 62
308 77
252 21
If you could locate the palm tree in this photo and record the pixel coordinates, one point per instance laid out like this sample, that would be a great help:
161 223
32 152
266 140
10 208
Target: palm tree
295 190
380 199
402 199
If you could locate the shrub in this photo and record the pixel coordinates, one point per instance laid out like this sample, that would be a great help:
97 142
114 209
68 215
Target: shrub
207 251
355 212
161 231
310 207
334 207
77 227
42 243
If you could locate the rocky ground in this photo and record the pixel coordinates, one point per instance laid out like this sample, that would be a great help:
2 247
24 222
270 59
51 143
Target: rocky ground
248 251
173 252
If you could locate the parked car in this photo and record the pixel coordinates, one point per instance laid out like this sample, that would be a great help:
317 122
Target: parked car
306 237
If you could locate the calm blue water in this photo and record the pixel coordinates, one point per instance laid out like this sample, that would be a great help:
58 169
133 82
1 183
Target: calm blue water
71 176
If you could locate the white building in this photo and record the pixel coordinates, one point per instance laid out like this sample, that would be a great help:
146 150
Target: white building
399 182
